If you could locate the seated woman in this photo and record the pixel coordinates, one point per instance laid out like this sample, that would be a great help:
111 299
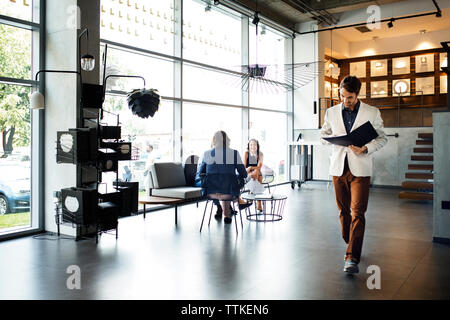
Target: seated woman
219 166
253 161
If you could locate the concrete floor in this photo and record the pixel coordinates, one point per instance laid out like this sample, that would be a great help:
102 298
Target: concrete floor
299 257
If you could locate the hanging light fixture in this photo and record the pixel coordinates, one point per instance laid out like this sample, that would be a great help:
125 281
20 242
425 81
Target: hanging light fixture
87 61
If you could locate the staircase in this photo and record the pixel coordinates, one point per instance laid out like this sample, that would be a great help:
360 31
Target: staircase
420 175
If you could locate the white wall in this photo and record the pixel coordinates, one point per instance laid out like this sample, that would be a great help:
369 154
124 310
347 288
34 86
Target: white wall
441 147
413 42
61 89
60 102
305 50
338 48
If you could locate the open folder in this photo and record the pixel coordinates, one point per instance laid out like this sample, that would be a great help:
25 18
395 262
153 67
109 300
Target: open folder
358 137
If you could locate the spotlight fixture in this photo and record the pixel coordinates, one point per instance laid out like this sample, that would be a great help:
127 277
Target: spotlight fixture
256 18
208 8
391 23
216 2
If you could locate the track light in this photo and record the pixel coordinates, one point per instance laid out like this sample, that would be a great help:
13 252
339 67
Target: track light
216 2
256 18
208 8
390 23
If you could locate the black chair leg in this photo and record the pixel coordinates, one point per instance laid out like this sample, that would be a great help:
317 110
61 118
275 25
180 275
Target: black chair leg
240 215
204 212
235 219
210 213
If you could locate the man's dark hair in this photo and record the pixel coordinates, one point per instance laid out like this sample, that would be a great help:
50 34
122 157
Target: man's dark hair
351 84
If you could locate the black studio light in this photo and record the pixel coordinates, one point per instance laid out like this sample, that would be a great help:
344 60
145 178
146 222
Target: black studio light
390 23
256 18
143 102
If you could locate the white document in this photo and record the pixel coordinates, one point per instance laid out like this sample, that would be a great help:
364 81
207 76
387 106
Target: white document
264 196
254 187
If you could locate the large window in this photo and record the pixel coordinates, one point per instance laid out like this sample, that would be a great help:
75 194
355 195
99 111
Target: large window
152 138
209 85
148 24
17 9
272 141
195 59
16 41
201 121
211 34
157 71
268 48
15 158
19 56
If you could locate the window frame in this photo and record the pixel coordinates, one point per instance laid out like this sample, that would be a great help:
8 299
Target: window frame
37 208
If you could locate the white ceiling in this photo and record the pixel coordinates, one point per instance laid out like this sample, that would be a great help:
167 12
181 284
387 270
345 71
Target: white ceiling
401 28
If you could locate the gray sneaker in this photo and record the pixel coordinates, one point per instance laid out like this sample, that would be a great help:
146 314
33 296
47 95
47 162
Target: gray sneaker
351 266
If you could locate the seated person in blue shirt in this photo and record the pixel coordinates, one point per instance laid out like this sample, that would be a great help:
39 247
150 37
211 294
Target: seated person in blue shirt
217 173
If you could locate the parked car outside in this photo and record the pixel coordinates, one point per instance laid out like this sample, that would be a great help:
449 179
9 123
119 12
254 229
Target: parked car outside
15 186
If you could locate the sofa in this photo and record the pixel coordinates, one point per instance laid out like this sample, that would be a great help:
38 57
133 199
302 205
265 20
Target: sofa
173 180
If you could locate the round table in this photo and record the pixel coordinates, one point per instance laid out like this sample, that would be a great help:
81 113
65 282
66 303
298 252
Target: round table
276 203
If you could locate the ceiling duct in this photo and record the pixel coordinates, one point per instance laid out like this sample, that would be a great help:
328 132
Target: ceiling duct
321 15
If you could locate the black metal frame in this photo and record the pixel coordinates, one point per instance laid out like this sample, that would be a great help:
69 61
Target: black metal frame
275 213
232 200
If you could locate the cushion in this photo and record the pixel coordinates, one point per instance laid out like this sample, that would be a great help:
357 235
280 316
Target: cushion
167 175
178 192
190 169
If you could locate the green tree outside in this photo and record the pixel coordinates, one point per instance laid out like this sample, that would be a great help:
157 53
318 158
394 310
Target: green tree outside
15 62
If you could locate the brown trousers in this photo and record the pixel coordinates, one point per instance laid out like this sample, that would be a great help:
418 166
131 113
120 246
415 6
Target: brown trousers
352 196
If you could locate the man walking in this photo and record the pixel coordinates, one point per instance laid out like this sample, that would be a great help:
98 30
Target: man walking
351 167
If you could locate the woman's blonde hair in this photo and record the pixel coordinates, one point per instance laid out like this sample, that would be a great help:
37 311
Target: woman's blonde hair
219 138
